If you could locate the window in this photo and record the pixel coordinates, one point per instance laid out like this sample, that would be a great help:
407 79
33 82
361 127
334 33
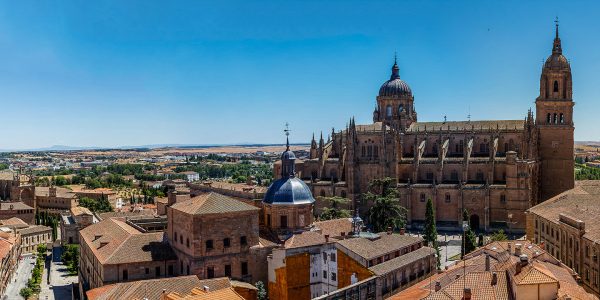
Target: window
555 86
175 234
562 119
147 271
209 245
210 272
322 193
228 270
188 269
226 242
125 275
244 268
324 257
503 200
187 242
325 274
555 119
388 111
333 257
157 271
283 222
333 276
343 194
422 198
170 270
448 198
181 239
549 119
400 108
243 240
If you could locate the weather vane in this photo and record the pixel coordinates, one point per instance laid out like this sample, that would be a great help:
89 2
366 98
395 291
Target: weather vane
287 134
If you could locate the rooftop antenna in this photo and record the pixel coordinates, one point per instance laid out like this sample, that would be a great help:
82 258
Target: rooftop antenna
287 136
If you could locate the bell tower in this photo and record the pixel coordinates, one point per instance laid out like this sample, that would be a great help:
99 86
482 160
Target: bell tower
554 119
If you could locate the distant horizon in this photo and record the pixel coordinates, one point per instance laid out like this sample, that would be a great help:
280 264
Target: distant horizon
128 73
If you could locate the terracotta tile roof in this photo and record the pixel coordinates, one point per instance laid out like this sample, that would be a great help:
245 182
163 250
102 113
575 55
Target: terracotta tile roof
115 242
224 294
33 229
153 288
401 261
581 202
212 203
44 191
532 274
80 210
6 245
304 239
480 284
18 223
15 205
467 125
387 243
125 214
335 227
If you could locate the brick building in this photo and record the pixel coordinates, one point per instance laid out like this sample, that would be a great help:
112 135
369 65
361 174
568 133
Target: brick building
33 236
17 210
495 169
113 251
55 200
214 235
567 227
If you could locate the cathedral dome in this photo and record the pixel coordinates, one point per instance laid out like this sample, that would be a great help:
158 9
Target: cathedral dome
290 191
395 86
557 61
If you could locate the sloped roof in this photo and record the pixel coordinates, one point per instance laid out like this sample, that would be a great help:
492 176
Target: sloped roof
44 191
14 221
401 261
15 205
480 284
34 229
212 203
115 242
387 243
305 239
467 125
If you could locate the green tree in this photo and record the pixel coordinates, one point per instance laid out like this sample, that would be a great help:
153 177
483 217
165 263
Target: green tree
469 240
26 292
499 236
386 210
262 291
70 258
335 211
430 231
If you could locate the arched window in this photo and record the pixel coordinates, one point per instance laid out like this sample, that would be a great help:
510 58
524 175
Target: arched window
511 145
555 119
343 194
388 111
400 108
562 119
422 197
555 86
322 193
549 119
448 199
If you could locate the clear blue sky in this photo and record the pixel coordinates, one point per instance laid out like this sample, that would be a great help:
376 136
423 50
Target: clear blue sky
98 73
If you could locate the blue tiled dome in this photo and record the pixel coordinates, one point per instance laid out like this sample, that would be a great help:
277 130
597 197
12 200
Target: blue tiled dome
289 190
395 86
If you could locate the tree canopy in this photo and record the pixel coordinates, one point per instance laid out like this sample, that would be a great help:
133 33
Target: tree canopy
386 210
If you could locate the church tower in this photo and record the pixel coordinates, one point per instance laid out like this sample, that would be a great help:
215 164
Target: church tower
554 119
395 102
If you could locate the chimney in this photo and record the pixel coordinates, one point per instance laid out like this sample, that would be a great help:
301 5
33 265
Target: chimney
206 288
522 262
487 262
389 230
438 286
467 294
494 278
402 231
509 248
518 248
327 238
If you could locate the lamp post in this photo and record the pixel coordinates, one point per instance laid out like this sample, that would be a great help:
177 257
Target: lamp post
465 227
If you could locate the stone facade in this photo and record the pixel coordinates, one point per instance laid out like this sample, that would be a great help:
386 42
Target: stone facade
494 169
33 236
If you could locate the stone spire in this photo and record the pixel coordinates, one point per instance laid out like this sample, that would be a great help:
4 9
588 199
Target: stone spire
395 70
556 47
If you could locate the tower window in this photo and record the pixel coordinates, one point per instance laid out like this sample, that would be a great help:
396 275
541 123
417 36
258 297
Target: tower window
562 119
400 109
555 119
388 111
549 119
555 86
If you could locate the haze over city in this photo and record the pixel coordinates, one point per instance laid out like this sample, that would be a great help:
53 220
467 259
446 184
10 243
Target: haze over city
108 74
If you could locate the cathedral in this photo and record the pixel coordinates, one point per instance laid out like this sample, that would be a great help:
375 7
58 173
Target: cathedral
495 169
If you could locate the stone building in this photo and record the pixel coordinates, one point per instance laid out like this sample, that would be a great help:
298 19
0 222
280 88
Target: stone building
567 227
17 210
10 251
55 200
113 251
495 169
71 223
214 236
288 203
15 186
33 236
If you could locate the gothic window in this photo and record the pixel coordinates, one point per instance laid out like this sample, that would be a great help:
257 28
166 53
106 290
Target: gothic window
479 176
388 111
369 151
333 174
343 194
422 197
549 119
364 152
555 119
376 151
461 146
562 119
503 199
555 86
435 149
454 176
400 108
448 198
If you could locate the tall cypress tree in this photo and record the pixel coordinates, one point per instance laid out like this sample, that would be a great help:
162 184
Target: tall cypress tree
430 231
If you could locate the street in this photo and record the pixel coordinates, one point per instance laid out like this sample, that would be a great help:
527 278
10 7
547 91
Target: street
60 281
23 274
